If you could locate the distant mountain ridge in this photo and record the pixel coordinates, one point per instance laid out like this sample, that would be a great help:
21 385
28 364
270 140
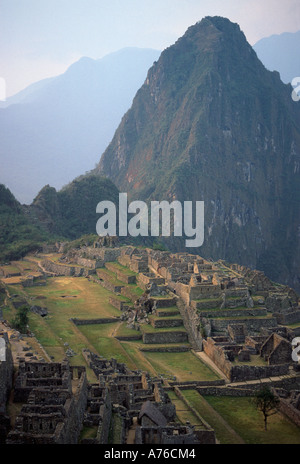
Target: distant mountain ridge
211 123
55 130
281 53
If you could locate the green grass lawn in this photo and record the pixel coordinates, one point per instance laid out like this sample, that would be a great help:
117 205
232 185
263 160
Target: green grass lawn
223 434
124 331
135 290
185 366
66 298
109 276
242 416
9 269
125 270
101 337
170 309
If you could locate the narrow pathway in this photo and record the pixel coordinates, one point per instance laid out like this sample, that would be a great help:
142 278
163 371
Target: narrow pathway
131 432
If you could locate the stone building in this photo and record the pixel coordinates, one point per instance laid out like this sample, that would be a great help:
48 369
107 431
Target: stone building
55 398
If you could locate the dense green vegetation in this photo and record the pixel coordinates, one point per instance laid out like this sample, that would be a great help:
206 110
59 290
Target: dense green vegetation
21 319
71 212
67 214
18 236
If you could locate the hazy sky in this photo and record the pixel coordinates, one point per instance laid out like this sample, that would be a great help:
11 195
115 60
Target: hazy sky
41 38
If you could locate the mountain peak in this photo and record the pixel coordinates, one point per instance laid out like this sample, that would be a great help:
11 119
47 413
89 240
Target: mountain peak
212 124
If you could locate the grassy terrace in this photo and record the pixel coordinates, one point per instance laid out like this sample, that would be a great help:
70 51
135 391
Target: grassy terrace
243 417
110 276
184 366
135 290
171 309
236 420
122 298
224 433
125 270
150 329
69 297
165 318
65 298
26 266
9 269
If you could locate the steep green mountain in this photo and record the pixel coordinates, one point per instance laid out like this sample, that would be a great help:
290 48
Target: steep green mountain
211 123
71 212
18 235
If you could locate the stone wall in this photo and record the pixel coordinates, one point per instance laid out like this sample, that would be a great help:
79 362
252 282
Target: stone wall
290 411
126 291
165 337
119 304
94 321
164 323
210 303
106 416
241 373
287 318
121 275
72 427
147 279
89 263
253 325
6 375
207 433
276 350
193 324
225 391
64 269
234 313
167 349
164 302
53 413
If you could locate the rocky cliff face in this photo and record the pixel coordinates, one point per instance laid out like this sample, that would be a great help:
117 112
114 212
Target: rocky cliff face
211 123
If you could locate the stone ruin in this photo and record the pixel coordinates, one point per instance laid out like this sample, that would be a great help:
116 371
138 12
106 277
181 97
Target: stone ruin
272 348
232 313
54 399
133 394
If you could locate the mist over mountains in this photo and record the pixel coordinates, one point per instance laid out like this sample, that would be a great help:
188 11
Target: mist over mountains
210 123
56 129
281 53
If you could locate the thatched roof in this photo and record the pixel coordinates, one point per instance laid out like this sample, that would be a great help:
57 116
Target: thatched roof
153 413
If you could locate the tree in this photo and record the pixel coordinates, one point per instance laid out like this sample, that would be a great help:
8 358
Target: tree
21 320
267 403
